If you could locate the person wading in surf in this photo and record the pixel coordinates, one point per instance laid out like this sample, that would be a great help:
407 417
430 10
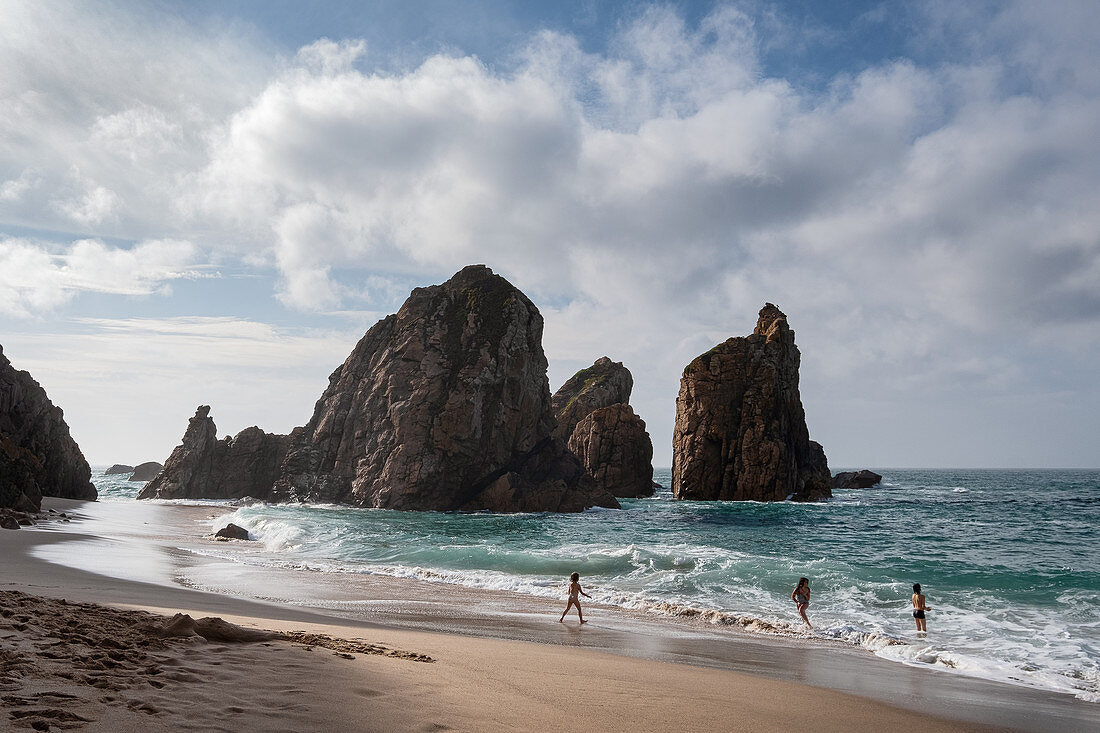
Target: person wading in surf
919 607
801 598
574 590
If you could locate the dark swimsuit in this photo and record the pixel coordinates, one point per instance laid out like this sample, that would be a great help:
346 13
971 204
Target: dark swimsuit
918 613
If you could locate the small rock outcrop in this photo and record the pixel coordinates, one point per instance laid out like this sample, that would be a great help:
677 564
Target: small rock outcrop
203 467
863 479
232 532
443 406
118 468
146 471
38 456
613 445
740 430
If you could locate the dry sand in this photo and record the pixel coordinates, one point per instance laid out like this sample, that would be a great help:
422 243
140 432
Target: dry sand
80 665
109 666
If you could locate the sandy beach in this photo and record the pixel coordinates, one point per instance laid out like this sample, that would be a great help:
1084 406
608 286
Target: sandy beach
91 644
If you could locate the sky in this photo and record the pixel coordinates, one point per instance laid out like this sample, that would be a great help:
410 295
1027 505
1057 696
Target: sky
210 202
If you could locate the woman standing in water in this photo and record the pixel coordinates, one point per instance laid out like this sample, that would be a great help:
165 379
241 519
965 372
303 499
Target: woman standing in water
801 598
919 607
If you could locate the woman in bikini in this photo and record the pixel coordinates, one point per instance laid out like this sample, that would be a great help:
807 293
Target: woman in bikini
801 598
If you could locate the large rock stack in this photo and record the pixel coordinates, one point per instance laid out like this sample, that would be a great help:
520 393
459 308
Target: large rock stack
37 455
444 405
740 429
600 427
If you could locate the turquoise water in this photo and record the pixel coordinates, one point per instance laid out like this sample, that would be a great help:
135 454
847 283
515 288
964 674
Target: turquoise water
1009 561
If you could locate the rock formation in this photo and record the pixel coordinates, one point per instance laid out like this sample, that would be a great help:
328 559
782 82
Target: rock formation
37 455
599 426
146 471
118 468
444 405
203 467
740 430
615 449
232 532
603 384
863 479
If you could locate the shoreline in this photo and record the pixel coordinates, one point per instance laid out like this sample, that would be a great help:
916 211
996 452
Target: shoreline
408 613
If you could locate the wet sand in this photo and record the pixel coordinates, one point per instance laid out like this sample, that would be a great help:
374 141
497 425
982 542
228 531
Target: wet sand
623 671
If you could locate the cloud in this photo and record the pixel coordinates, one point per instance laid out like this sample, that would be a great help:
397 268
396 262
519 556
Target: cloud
923 223
106 109
235 365
33 278
86 203
14 189
424 170
683 151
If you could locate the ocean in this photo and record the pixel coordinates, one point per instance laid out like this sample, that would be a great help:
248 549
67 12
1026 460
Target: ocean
1009 561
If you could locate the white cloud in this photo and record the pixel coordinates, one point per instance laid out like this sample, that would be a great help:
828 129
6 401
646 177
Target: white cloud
85 202
137 133
329 57
32 278
14 189
29 279
234 365
111 107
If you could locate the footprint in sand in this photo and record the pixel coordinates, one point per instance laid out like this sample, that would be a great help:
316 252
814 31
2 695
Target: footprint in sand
182 677
56 715
50 695
144 707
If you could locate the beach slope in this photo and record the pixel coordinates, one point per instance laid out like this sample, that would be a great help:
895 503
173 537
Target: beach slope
80 650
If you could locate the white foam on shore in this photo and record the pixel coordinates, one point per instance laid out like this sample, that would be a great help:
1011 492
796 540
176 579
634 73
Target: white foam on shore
930 655
278 536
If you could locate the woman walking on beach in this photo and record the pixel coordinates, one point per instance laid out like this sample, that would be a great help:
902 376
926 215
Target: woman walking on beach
801 598
574 590
919 607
